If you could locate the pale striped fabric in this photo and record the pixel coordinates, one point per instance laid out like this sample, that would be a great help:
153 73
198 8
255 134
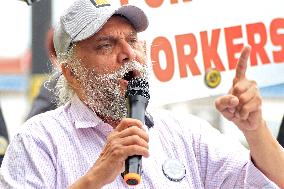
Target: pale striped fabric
54 149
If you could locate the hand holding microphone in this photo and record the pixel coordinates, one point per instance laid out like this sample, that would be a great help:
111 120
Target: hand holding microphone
137 96
127 139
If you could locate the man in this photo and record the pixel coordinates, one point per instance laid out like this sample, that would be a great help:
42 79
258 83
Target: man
85 143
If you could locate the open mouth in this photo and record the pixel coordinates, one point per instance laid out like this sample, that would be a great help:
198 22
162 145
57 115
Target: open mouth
129 75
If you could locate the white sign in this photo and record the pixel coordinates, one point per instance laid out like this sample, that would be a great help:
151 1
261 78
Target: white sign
185 38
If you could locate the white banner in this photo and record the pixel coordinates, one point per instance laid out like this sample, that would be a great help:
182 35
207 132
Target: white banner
185 38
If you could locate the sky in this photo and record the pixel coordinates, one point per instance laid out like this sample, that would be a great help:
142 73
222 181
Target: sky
15 22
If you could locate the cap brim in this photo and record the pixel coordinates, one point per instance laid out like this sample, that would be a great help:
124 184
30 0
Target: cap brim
134 15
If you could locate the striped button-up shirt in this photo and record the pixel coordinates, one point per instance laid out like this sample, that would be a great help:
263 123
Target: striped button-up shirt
56 148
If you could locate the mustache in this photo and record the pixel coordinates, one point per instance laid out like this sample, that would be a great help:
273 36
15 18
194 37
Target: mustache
127 67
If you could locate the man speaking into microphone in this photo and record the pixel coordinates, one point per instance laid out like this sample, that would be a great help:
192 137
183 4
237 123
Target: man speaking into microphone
86 142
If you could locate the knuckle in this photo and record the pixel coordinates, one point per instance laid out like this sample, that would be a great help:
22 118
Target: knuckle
242 99
254 85
147 138
109 139
116 152
111 147
123 121
113 134
244 110
253 82
259 100
133 129
237 89
136 139
138 124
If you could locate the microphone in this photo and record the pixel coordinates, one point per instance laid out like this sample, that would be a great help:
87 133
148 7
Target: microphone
30 2
137 97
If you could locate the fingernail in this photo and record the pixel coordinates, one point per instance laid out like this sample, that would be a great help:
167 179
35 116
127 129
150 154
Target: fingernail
234 101
232 110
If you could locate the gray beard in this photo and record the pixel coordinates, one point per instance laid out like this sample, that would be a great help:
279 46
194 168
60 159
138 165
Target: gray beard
104 97
102 91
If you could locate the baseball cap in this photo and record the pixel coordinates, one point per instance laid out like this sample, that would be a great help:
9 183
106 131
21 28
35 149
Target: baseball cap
84 18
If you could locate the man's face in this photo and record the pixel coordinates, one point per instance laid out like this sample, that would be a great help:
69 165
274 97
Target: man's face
104 62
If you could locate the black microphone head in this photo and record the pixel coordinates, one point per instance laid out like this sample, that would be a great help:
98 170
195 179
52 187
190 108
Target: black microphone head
138 86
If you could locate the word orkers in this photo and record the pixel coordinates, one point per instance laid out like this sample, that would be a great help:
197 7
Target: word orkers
257 35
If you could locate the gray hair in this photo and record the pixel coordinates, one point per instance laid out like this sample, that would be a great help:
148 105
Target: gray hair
57 82
63 91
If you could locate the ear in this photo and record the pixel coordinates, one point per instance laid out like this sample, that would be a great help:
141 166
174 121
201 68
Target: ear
70 76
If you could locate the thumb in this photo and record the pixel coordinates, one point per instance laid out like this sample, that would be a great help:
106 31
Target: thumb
227 101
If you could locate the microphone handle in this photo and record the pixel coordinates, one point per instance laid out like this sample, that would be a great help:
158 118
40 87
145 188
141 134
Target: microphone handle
133 168
136 106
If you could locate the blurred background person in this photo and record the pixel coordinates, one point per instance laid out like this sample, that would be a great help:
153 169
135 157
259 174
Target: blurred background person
280 137
4 139
46 99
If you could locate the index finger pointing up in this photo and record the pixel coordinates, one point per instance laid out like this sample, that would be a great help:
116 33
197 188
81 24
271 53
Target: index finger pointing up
242 63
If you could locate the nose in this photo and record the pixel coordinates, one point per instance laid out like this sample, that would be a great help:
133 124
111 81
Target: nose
127 53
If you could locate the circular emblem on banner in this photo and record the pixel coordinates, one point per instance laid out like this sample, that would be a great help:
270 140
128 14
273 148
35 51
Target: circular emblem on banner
174 170
212 78
3 145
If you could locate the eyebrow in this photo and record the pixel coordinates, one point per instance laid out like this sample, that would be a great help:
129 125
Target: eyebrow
111 38
105 38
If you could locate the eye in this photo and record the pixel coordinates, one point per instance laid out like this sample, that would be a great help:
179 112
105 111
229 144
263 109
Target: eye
133 41
104 46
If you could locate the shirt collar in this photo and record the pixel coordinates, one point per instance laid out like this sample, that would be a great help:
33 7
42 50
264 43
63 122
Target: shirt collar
83 117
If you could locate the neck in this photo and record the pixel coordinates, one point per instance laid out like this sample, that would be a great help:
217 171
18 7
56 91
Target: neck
109 120
112 122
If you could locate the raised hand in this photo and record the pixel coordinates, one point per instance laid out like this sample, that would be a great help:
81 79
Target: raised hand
242 104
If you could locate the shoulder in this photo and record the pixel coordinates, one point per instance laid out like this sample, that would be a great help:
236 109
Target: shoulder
41 132
160 113
46 123
178 121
